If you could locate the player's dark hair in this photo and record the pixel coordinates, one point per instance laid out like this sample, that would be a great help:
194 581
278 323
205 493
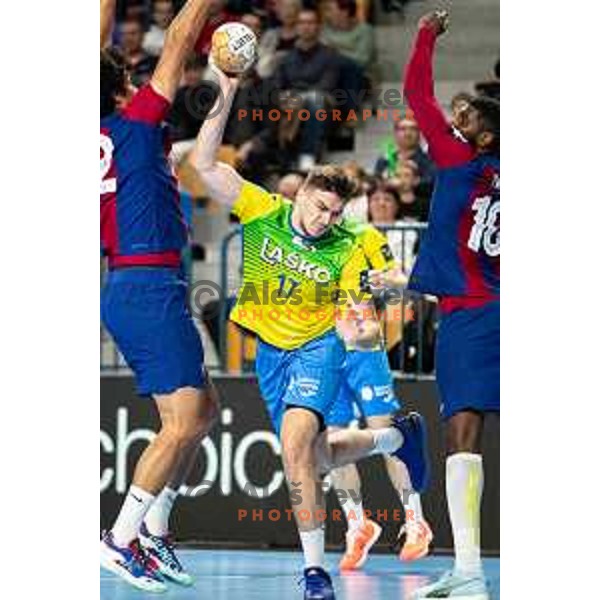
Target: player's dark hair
113 80
489 110
332 178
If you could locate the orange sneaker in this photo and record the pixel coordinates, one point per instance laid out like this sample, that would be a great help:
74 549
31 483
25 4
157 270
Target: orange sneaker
358 544
418 537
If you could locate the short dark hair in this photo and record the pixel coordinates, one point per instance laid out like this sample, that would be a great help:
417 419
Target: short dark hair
113 79
332 178
489 110
348 6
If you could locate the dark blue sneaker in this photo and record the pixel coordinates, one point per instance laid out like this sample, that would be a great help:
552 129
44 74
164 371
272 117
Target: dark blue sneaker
162 550
414 452
318 584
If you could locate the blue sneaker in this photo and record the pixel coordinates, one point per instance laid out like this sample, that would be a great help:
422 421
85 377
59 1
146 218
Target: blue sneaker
162 550
413 452
456 586
131 564
318 584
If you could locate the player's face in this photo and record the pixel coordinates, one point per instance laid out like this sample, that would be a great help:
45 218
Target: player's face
382 207
317 210
468 121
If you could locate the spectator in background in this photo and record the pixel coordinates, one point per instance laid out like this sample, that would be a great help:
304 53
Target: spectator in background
278 41
407 146
346 34
309 71
254 22
162 15
192 101
490 87
140 64
385 210
357 207
411 205
289 185
414 334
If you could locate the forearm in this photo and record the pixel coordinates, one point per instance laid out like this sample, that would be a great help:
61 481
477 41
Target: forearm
107 18
179 42
221 180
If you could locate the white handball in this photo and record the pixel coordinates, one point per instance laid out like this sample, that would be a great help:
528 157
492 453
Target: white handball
233 48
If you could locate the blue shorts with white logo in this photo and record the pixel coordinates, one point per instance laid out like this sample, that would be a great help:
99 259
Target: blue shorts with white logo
367 389
308 376
145 311
468 360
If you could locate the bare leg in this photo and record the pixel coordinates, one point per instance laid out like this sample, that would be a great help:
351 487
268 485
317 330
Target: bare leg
299 433
186 416
346 480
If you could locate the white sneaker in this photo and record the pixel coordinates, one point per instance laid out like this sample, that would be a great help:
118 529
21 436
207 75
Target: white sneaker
457 586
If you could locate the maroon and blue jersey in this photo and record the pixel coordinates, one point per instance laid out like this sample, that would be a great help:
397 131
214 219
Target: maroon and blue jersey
459 259
141 222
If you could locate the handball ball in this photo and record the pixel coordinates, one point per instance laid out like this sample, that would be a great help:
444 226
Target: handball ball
233 48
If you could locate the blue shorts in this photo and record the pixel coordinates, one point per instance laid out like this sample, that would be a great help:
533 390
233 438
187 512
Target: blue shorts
308 376
145 311
367 389
468 360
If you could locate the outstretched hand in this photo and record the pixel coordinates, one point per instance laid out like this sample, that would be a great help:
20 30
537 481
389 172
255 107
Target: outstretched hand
437 21
226 83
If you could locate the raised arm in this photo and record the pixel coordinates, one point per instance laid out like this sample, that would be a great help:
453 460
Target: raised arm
107 18
222 181
179 42
444 148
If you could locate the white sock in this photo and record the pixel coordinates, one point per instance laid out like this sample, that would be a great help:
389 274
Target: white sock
313 546
386 440
464 485
134 509
412 506
355 516
157 518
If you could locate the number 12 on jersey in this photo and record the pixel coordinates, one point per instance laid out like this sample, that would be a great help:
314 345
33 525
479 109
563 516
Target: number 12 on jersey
107 148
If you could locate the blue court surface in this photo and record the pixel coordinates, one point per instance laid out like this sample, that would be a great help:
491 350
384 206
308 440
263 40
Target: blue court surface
264 575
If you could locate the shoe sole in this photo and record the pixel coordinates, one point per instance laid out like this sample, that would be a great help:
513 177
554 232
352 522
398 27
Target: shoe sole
109 565
368 547
471 597
462 597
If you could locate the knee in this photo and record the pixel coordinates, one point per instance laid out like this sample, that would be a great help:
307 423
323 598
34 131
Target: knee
185 429
296 452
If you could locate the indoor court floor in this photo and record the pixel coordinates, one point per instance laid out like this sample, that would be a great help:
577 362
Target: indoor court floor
275 575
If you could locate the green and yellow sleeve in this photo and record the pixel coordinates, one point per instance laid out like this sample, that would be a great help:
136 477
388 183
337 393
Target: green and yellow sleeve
254 202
